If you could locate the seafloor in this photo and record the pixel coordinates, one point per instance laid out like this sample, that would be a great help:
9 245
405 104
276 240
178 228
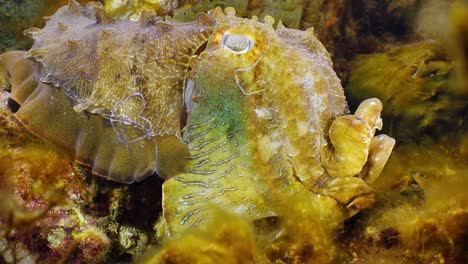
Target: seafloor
411 54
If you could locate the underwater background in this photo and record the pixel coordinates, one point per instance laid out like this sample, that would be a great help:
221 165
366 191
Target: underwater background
411 54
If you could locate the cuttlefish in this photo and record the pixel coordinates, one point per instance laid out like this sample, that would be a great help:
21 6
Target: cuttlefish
230 111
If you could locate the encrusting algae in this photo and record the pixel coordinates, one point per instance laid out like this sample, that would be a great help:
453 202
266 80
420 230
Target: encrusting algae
41 192
251 191
53 210
17 16
421 216
306 234
226 238
422 213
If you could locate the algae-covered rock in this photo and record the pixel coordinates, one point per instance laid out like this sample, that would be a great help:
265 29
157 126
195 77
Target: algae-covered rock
459 32
17 16
52 210
132 9
289 12
416 84
14 18
422 216
305 233
226 238
422 212
42 196
132 240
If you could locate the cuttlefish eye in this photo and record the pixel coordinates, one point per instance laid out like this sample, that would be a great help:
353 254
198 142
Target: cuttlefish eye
235 43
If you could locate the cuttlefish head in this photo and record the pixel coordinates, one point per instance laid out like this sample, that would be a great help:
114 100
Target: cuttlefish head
276 88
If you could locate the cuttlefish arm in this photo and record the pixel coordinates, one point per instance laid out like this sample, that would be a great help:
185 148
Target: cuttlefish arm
90 139
355 157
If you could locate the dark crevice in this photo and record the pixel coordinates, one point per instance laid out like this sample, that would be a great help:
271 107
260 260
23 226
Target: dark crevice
13 105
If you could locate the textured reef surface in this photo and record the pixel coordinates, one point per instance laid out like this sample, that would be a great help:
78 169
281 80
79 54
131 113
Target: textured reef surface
222 108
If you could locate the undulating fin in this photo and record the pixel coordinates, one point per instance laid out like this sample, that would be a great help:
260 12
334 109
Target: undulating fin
47 112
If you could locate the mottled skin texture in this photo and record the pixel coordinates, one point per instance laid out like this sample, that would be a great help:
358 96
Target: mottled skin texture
266 112
133 81
133 78
48 113
260 128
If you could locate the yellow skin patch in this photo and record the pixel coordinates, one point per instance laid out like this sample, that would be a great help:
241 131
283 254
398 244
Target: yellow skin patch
269 120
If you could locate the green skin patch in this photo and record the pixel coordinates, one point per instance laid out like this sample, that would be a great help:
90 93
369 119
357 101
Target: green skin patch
220 170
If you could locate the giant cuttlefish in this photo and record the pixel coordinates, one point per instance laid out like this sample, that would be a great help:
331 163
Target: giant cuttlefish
229 110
